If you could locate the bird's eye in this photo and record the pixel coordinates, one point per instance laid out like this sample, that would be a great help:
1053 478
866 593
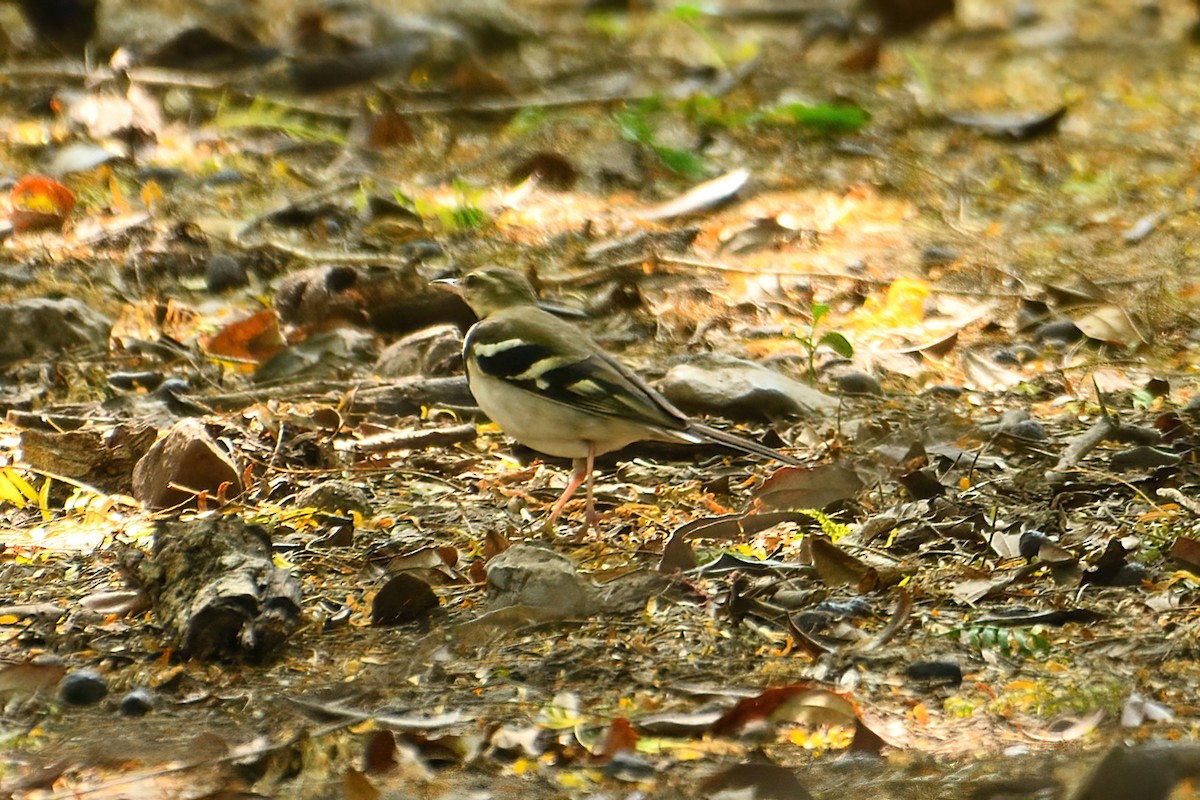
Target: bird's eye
471 280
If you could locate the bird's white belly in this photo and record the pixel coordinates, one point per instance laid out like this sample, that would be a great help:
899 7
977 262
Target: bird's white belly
553 428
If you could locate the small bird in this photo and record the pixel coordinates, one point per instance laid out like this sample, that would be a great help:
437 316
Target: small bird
550 387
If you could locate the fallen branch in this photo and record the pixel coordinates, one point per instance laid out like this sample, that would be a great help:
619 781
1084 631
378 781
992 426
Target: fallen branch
1080 446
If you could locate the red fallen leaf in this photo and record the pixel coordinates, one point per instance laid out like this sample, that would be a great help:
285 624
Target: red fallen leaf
1187 551
474 78
379 753
387 128
403 599
620 738
253 339
866 740
808 487
40 203
819 705
494 543
865 57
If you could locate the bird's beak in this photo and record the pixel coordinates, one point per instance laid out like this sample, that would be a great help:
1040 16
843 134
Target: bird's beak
448 284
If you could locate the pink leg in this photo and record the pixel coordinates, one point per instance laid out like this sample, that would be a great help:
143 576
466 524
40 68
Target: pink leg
577 478
591 518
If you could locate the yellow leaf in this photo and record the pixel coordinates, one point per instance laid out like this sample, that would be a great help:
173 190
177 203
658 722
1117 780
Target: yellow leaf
8 492
903 306
25 487
152 194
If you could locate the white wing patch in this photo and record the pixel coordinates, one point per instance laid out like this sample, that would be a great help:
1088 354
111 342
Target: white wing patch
586 388
488 350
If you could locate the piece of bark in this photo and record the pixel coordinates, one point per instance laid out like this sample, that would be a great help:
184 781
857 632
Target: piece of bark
391 300
409 396
103 458
216 591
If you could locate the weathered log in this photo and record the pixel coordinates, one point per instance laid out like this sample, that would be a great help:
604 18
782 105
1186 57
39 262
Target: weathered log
216 591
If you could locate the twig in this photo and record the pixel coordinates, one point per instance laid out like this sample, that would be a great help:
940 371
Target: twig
1179 498
1080 446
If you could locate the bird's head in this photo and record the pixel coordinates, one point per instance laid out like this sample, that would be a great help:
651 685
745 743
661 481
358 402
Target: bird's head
491 289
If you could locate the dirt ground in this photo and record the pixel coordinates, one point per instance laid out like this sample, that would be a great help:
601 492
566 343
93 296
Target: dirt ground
1005 590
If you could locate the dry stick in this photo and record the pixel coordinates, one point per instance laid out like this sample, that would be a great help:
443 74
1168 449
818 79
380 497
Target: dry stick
417 439
1080 446
717 266
1178 497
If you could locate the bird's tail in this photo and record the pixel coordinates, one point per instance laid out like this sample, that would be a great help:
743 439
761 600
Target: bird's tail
739 443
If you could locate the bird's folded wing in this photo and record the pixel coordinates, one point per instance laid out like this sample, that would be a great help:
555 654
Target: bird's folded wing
552 360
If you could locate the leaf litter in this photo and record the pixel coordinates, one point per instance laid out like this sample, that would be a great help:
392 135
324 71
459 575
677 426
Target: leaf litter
938 602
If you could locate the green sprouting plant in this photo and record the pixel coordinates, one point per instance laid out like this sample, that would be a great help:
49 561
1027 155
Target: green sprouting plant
464 214
823 119
697 20
809 340
637 125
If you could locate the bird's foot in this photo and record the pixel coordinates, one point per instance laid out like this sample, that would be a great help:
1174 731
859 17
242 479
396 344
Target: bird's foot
591 522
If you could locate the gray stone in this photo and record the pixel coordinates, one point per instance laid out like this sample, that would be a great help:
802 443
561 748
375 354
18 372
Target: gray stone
435 351
530 575
186 457
858 383
335 495
38 325
741 390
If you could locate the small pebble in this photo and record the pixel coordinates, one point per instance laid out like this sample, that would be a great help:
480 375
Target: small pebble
1031 543
82 688
1025 353
1158 387
137 703
1059 332
224 177
939 672
1031 313
944 390
222 272
1026 14
858 383
1028 429
164 176
938 256
1006 356
1131 574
